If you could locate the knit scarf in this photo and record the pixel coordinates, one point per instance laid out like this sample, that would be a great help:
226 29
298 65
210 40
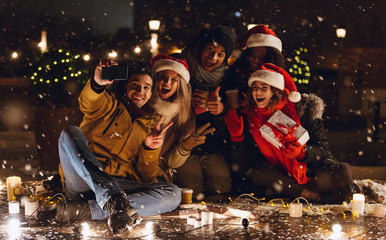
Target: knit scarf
200 78
257 117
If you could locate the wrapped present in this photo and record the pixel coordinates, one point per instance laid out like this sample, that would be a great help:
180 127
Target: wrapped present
280 129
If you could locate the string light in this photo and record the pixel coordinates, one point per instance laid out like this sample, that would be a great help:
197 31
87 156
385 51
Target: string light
53 69
300 70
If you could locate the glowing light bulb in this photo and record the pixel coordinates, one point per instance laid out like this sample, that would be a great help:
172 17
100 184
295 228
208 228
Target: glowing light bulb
14 55
85 229
337 228
137 49
86 57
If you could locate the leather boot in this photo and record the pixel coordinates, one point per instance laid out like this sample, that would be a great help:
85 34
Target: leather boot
73 211
122 216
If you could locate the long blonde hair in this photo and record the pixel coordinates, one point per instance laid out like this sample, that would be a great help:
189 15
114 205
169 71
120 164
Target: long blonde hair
182 96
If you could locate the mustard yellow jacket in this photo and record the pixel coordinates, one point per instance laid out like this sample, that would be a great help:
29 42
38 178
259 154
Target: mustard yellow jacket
115 138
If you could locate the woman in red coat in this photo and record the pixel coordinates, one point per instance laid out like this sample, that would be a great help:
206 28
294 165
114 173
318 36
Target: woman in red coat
283 170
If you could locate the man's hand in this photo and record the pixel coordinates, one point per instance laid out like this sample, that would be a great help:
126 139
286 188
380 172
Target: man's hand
154 140
215 106
98 72
197 138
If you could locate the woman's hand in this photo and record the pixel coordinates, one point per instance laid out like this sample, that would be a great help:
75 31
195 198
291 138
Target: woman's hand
197 138
154 140
235 125
294 149
98 72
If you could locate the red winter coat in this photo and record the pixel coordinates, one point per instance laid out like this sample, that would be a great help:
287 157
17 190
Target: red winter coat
257 117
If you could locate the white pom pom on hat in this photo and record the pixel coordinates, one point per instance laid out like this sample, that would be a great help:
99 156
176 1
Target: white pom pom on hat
163 62
294 96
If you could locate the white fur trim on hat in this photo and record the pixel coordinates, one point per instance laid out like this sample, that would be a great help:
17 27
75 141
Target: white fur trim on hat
264 40
273 79
168 64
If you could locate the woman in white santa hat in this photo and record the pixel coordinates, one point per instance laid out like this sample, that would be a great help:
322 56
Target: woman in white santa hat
172 99
292 170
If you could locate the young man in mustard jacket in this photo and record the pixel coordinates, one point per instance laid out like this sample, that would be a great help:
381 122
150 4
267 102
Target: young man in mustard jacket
111 160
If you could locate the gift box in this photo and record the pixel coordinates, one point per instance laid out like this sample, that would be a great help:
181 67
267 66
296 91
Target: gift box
281 128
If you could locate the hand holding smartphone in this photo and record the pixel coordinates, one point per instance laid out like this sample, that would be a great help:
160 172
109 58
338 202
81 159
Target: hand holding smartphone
115 72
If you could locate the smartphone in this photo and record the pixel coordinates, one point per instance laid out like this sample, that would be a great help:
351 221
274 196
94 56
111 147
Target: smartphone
115 72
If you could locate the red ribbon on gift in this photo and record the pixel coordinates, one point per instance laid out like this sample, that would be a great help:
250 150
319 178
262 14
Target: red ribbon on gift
296 168
283 139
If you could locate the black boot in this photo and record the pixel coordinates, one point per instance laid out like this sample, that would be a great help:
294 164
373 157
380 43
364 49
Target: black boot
73 211
122 215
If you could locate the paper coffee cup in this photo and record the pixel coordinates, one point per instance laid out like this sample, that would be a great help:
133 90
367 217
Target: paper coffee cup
186 195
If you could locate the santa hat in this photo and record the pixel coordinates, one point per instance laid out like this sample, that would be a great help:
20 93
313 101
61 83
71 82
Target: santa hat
164 62
261 36
278 78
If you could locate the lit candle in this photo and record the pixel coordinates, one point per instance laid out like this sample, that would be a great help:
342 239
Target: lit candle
379 210
358 204
13 207
12 183
296 209
31 207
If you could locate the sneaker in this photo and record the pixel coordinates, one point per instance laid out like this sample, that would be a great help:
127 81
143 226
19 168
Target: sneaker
122 216
72 211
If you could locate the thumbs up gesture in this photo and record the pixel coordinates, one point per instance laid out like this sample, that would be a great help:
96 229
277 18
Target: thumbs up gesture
215 106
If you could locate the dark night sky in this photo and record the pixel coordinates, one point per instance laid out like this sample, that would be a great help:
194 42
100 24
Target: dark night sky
105 17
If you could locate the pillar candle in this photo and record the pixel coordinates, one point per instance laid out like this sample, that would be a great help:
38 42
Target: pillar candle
358 204
13 207
206 218
379 210
12 183
191 220
296 209
31 207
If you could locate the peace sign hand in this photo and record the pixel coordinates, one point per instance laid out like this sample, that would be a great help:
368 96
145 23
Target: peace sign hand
154 140
198 137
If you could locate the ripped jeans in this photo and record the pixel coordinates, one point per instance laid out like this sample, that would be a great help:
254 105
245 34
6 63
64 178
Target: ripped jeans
85 179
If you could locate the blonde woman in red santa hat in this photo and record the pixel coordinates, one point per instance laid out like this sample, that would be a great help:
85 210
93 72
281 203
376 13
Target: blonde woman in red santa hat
291 170
261 45
172 99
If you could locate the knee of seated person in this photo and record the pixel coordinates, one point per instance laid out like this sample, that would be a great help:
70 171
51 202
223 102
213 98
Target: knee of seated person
172 195
347 170
69 131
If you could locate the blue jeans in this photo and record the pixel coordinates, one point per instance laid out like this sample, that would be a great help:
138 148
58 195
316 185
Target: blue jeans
85 179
